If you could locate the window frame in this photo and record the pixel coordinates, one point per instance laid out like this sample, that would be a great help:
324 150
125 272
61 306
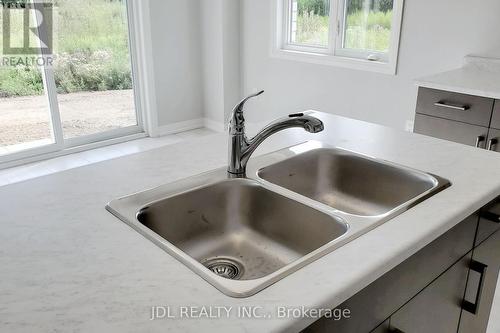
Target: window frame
63 146
334 54
287 34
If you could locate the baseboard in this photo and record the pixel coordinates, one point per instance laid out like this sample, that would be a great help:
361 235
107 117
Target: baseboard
214 125
180 126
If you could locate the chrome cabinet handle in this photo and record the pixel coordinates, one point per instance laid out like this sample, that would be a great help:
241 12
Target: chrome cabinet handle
452 106
491 143
480 139
491 217
480 268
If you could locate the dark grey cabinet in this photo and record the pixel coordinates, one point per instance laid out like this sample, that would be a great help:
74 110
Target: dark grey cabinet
489 222
437 308
445 129
376 303
495 119
466 119
448 286
384 328
481 286
449 105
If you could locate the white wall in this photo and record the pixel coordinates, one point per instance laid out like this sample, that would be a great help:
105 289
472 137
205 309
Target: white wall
196 59
220 31
436 35
176 47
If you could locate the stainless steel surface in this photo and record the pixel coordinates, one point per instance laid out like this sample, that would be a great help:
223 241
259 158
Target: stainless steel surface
269 230
241 148
452 106
348 182
491 143
479 268
228 268
240 219
479 140
493 139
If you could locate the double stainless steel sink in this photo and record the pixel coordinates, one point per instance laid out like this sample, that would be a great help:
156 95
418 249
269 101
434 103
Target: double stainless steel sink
295 205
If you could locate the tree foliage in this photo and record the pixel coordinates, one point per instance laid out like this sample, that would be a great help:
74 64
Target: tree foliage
322 7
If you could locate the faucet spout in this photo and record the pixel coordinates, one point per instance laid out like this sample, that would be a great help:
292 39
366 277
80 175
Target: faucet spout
241 148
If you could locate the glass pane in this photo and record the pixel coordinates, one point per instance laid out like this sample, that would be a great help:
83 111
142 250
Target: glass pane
24 111
92 68
310 22
368 25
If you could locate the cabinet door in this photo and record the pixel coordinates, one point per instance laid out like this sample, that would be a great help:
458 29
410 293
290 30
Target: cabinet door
495 119
489 222
437 308
377 302
494 140
481 287
384 328
455 131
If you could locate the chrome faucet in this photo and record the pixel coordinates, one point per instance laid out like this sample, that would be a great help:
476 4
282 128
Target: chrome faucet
241 148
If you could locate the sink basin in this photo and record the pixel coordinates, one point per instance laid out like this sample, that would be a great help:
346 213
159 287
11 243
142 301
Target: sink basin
349 182
235 233
293 207
239 229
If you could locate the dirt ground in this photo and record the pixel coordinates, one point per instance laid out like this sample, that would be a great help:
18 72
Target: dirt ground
25 119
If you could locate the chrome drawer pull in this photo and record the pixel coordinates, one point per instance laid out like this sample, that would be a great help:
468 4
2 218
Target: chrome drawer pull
480 139
452 106
480 268
491 143
491 217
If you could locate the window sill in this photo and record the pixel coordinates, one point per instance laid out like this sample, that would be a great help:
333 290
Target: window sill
335 61
70 159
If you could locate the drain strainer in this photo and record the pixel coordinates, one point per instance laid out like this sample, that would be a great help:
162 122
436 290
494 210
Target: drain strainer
225 267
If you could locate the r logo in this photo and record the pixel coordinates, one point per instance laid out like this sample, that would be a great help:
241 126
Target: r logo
37 27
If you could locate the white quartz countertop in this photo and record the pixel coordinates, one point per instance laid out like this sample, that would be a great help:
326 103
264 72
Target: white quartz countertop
69 265
479 77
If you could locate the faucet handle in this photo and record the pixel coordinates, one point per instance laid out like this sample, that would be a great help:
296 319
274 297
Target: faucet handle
240 105
237 121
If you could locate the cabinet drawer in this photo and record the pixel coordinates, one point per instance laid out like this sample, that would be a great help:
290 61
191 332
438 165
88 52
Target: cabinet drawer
451 130
489 222
465 108
495 120
494 140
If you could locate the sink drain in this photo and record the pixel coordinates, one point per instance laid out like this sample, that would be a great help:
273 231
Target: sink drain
225 267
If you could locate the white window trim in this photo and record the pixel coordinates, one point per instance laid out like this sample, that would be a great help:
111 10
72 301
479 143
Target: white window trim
333 55
144 96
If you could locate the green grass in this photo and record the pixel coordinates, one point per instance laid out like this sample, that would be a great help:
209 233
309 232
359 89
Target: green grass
365 32
91 43
312 29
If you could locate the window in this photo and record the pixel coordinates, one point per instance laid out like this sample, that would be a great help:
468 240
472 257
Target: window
362 34
70 81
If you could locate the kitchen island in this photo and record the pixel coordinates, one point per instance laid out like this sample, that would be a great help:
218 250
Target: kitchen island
69 265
